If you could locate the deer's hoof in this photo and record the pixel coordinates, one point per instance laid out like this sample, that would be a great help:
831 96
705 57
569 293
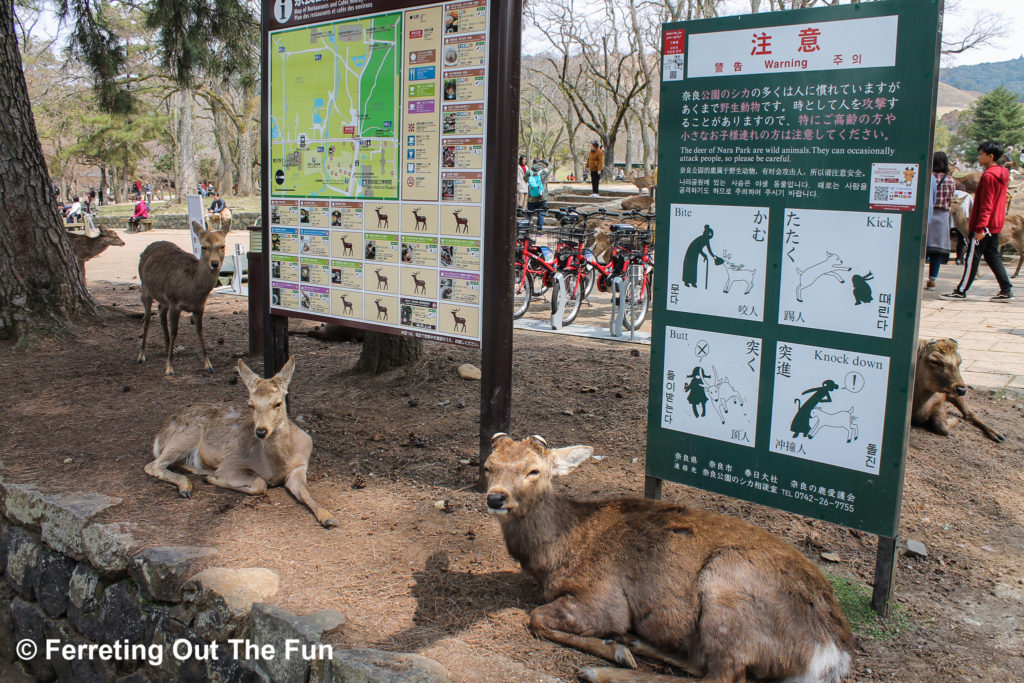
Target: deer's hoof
329 523
140 359
169 372
208 369
185 493
623 656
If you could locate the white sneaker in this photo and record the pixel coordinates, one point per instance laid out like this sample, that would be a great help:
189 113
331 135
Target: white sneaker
595 195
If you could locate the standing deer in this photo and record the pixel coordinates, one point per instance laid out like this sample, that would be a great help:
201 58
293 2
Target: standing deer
458 320
346 245
645 182
178 281
419 219
382 218
461 224
710 594
381 279
86 248
245 452
382 311
420 284
1012 232
347 310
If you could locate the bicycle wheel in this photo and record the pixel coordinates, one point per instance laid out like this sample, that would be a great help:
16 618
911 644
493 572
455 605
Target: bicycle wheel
637 297
573 290
590 279
522 292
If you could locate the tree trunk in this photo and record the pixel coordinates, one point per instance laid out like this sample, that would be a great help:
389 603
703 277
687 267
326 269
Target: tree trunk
246 145
383 352
223 131
629 152
40 284
187 177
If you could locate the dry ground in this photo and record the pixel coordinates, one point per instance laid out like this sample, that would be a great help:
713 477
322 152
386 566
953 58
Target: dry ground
79 415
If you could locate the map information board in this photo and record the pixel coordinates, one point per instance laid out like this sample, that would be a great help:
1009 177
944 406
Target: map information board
793 157
377 138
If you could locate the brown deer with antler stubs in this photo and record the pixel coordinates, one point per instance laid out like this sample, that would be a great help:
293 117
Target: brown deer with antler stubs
420 220
178 281
382 218
713 595
458 320
382 311
346 245
421 285
382 280
245 452
461 224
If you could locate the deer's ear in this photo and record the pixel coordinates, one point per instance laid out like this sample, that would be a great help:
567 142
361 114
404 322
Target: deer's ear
284 377
565 460
247 375
198 229
498 436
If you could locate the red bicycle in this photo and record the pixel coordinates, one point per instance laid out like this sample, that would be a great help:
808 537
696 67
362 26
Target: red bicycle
536 266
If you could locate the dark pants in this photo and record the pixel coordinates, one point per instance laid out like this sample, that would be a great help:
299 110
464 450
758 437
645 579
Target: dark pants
595 179
534 205
935 260
989 248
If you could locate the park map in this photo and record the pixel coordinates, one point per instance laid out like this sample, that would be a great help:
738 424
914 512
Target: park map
334 105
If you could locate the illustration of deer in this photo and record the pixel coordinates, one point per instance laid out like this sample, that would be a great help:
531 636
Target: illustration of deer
382 218
419 219
420 284
347 306
381 280
458 320
737 273
461 224
382 311
346 245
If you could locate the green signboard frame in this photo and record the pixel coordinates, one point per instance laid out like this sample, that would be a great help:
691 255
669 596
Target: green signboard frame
758 132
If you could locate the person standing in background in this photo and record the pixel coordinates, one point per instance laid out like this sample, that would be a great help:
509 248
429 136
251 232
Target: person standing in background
938 220
595 164
522 181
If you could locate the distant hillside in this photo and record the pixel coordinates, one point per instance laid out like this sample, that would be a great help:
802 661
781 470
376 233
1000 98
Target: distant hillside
954 99
987 76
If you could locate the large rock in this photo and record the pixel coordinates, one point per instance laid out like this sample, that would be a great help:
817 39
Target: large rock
5 529
29 623
23 504
22 569
220 599
270 625
119 616
469 371
377 666
65 516
54 580
160 572
108 546
6 623
85 589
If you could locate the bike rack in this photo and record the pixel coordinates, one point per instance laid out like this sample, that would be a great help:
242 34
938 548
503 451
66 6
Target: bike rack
635 273
618 310
557 301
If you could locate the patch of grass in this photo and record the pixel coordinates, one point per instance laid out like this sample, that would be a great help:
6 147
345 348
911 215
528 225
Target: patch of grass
855 600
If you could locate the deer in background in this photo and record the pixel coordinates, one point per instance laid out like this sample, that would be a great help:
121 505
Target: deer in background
382 218
238 450
461 224
346 245
1012 232
419 219
87 248
347 310
381 310
713 595
178 281
645 182
420 284
458 320
937 383
381 279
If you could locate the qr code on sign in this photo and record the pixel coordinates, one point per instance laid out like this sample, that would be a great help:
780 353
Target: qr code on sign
879 194
673 75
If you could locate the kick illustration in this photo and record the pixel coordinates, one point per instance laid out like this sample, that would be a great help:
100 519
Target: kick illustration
831 265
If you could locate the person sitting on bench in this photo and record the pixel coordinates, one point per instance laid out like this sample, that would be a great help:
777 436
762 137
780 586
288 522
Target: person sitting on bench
217 205
141 211
73 214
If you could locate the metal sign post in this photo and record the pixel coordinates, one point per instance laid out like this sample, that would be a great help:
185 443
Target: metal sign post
793 187
618 311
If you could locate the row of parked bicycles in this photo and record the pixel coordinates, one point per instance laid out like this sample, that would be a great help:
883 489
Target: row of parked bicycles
562 260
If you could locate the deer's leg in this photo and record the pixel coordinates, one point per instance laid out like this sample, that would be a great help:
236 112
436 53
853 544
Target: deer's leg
645 649
147 302
563 619
1020 260
609 674
238 479
971 417
198 318
169 450
296 485
163 325
172 323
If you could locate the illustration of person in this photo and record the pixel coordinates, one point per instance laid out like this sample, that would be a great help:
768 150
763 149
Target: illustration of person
695 394
451 22
335 217
449 90
697 248
801 424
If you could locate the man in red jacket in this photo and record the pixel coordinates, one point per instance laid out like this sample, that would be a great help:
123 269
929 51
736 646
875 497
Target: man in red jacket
986 222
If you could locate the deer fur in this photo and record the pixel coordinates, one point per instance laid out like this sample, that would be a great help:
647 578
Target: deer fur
178 281
1012 232
219 221
713 595
86 248
937 382
233 449
644 182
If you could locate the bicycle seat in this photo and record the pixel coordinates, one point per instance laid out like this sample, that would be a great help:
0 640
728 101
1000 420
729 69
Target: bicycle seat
622 227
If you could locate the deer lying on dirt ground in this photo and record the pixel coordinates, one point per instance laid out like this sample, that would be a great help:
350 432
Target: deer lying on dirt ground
712 595
239 451
938 382
1012 232
179 282
86 248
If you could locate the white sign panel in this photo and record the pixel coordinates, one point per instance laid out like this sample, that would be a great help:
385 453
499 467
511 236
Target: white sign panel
894 187
829 405
194 204
839 270
711 383
716 260
815 46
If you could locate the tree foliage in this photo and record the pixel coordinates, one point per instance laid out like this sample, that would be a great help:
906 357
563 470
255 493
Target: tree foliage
996 116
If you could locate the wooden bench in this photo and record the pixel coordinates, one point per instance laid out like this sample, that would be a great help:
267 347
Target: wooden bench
72 227
144 225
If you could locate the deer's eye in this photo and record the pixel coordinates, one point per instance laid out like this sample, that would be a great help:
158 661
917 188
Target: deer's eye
252 406
278 404
534 473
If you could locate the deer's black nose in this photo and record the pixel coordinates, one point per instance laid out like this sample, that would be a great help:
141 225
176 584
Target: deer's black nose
496 501
214 265
961 390
261 433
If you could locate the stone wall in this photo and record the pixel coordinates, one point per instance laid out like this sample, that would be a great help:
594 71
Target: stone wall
83 583
239 221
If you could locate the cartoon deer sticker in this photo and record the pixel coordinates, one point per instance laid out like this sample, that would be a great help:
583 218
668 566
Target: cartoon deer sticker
420 284
420 220
347 310
382 311
346 245
382 218
461 224
382 280
458 320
